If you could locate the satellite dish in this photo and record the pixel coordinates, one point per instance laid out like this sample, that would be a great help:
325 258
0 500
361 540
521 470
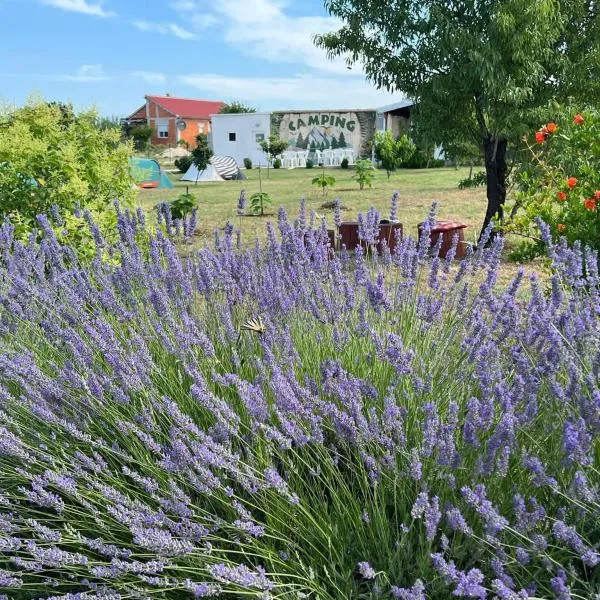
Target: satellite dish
181 125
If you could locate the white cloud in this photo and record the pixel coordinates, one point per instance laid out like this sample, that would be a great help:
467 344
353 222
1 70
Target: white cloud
80 6
263 29
165 29
150 76
296 92
86 74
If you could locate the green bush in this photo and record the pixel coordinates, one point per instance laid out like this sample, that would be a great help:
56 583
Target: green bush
183 205
277 163
477 180
422 159
67 163
560 184
184 163
309 163
344 163
392 153
248 163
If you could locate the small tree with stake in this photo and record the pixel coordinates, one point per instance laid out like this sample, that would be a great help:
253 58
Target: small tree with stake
273 147
201 154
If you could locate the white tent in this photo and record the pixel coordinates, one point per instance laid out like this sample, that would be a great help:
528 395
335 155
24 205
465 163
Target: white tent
209 174
220 168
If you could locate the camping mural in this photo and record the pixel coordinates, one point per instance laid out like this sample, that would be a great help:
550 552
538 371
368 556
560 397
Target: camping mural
326 130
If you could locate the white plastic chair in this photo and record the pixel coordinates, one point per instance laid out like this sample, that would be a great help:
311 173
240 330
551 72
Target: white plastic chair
301 158
338 155
290 160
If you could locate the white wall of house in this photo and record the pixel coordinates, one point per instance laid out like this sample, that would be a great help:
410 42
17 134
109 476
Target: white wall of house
238 135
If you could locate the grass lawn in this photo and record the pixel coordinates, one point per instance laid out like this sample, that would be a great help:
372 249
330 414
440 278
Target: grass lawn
418 189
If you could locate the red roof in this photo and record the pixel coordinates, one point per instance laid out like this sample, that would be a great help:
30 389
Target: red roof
187 108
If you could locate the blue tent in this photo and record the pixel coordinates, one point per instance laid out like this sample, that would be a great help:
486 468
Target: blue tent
147 173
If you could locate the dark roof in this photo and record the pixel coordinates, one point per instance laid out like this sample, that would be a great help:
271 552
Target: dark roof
187 107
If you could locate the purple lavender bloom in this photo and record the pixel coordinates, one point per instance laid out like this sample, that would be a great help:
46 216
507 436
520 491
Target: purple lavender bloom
394 207
366 571
559 586
241 575
241 203
416 592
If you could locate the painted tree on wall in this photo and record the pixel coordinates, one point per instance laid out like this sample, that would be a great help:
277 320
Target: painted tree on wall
477 70
342 141
334 143
300 141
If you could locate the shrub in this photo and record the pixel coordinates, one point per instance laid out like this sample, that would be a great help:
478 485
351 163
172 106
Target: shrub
280 420
248 163
277 163
344 164
364 173
422 159
51 157
561 182
184 163
477 180
309 163
392 153
183 205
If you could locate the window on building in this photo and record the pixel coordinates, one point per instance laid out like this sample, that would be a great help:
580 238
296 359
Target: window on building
259 137
232 137
200 127
162 128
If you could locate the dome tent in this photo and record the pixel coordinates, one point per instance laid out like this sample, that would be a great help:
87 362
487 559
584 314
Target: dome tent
147 173
220 168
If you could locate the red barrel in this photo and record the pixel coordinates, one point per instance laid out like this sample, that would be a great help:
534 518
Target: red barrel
447 229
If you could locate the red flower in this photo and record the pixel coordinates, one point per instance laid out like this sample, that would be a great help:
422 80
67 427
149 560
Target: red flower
551 127
561 227
562 196
540 137
590 204
578 119
597 194
572 182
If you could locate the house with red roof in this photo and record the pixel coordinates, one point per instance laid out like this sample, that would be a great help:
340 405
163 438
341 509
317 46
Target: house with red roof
174 119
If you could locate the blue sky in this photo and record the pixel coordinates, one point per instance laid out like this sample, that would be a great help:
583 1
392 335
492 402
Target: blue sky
110 53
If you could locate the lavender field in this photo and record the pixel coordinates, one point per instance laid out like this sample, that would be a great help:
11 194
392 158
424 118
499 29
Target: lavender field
286 422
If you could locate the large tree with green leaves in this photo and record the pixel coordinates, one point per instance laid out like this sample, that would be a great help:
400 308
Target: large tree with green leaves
477 69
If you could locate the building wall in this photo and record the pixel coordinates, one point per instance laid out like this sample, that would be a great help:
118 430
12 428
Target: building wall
157 115
246 127
326 129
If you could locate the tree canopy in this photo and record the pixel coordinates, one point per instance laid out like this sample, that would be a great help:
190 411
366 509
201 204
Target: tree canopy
52 156
475 68
236 107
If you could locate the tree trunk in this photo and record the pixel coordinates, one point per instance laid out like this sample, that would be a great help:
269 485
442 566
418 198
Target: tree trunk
496 172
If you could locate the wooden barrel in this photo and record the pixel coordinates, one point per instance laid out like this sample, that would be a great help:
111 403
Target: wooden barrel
447 229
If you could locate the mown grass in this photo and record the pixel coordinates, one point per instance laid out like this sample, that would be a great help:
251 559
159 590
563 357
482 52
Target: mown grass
418 189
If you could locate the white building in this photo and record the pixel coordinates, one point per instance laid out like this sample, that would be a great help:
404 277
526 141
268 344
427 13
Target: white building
239 134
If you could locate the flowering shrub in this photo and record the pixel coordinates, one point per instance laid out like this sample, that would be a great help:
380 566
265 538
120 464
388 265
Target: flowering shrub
561 185
283 423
